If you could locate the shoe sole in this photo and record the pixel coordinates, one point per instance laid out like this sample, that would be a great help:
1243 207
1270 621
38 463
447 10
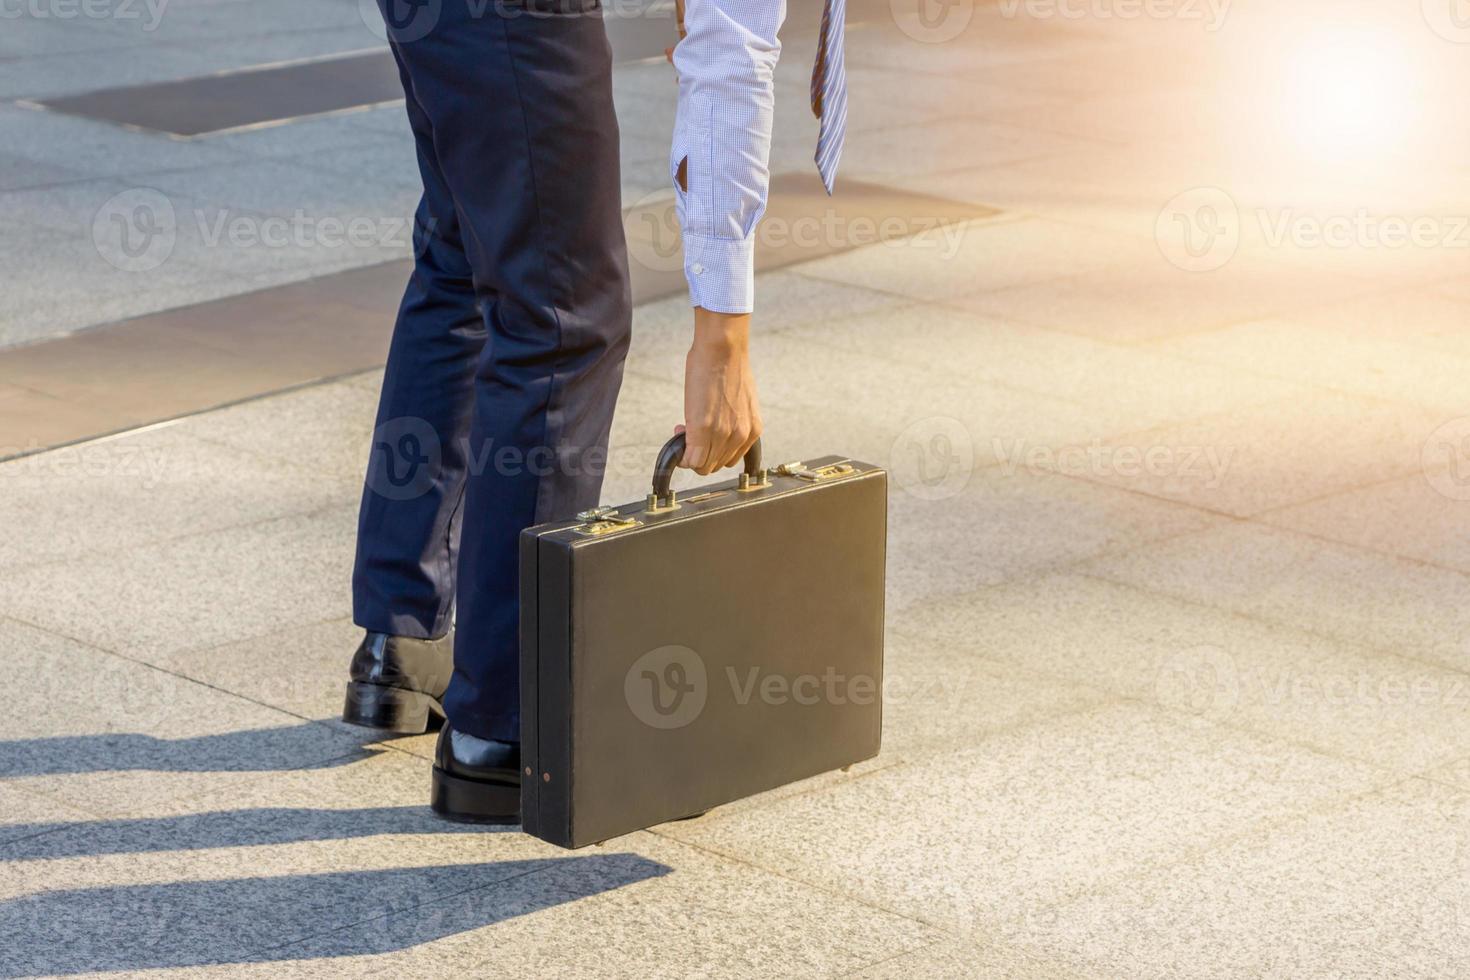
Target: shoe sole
391 709
474 800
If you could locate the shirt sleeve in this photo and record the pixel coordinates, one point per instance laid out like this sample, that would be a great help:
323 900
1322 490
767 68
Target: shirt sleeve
722 143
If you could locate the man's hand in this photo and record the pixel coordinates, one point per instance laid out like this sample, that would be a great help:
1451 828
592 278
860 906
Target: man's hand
722 416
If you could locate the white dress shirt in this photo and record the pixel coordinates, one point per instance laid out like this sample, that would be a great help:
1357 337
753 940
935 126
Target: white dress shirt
726 64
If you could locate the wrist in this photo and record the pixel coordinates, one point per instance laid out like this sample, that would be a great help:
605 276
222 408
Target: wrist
726 331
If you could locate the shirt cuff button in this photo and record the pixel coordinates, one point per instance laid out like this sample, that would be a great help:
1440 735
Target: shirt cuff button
697 269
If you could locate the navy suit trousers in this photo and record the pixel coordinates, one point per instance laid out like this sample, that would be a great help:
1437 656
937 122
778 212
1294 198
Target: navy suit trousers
508 350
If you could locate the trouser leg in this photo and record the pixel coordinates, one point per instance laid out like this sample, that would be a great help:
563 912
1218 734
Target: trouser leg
409 520
520 109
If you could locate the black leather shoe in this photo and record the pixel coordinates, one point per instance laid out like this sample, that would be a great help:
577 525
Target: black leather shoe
398 682
476 780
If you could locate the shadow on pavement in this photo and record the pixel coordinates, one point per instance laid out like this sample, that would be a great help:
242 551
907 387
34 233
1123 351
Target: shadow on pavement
222 828
309 745
290 917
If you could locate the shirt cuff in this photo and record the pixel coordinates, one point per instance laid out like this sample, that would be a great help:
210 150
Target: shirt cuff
721 272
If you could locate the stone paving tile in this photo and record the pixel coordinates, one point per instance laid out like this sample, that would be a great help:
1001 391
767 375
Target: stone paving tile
113 66
993 421
112 737
237 876
954 959
959 144
53 272
938 695
1260 457
284 187
201 590
65 505
950 537
361 131
1428 379
1333 695
984 255
1150 298
18 173
323 429
32 37
98 149
688 908
795 301
300 670
1398 606
25 814
1377 887
1148 388
1422 516
1019 821
1417 317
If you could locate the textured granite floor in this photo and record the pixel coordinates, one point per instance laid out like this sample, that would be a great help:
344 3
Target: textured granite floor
1178 677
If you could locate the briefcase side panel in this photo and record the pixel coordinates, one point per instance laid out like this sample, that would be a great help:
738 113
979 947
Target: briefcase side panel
768 612
551 771
530 628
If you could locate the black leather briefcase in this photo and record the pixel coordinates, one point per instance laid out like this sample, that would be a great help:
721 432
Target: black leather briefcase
688 651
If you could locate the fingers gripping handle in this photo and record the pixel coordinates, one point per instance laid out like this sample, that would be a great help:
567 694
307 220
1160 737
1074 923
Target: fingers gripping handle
669 457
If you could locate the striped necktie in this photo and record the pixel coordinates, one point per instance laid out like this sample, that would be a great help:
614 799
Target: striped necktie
829 91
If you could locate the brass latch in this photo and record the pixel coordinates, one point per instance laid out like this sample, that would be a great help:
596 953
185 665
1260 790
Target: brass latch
801 471
603 520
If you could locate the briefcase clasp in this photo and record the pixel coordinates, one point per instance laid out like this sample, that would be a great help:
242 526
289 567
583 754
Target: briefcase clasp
822 473
603 520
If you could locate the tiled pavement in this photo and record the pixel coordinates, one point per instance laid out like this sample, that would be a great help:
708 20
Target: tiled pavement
1178 671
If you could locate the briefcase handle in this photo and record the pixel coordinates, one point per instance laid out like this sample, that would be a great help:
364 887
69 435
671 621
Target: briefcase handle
669 457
